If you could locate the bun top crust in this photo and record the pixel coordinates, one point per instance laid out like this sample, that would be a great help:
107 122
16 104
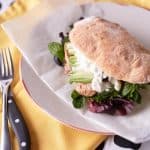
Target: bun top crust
112 49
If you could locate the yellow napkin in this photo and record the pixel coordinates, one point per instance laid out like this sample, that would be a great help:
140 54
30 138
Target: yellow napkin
46 133
141 3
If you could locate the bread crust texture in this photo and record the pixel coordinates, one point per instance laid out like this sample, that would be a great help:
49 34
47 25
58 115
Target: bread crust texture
112 49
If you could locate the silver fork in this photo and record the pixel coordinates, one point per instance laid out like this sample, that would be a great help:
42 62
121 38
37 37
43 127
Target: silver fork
6 78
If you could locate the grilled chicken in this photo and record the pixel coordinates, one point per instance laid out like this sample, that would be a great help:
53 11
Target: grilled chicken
84 89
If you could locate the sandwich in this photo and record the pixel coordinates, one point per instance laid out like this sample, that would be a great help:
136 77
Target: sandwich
106 65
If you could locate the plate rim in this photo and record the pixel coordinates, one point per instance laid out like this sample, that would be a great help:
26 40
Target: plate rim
52 115
45 111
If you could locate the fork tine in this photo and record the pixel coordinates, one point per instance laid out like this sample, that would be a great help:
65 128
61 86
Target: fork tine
11 68
6 62
3 63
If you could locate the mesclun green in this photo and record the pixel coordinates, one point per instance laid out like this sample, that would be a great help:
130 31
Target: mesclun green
78 100
131 91
57 50
106 95
65 40
136 97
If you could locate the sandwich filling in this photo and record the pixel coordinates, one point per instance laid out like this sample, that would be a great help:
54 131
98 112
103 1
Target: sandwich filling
84 71
96 90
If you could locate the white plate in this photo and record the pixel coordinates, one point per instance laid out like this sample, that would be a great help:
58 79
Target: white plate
41 95
32 39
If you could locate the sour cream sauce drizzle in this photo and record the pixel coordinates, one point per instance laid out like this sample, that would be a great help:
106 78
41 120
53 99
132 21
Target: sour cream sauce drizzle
84 64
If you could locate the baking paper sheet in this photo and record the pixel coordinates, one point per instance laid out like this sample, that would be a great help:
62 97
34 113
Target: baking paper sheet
33 31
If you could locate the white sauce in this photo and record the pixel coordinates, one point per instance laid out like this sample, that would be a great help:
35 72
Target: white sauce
84 64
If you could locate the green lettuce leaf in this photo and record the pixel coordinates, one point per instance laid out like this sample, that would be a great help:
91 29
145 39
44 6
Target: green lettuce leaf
57 50
78 100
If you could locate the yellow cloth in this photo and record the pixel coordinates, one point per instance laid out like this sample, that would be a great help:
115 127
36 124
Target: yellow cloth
141 3
46 133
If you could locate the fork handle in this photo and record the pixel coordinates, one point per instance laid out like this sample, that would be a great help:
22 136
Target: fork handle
5 136
18 124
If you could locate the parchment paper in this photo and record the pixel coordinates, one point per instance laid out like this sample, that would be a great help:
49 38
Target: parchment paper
32 33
